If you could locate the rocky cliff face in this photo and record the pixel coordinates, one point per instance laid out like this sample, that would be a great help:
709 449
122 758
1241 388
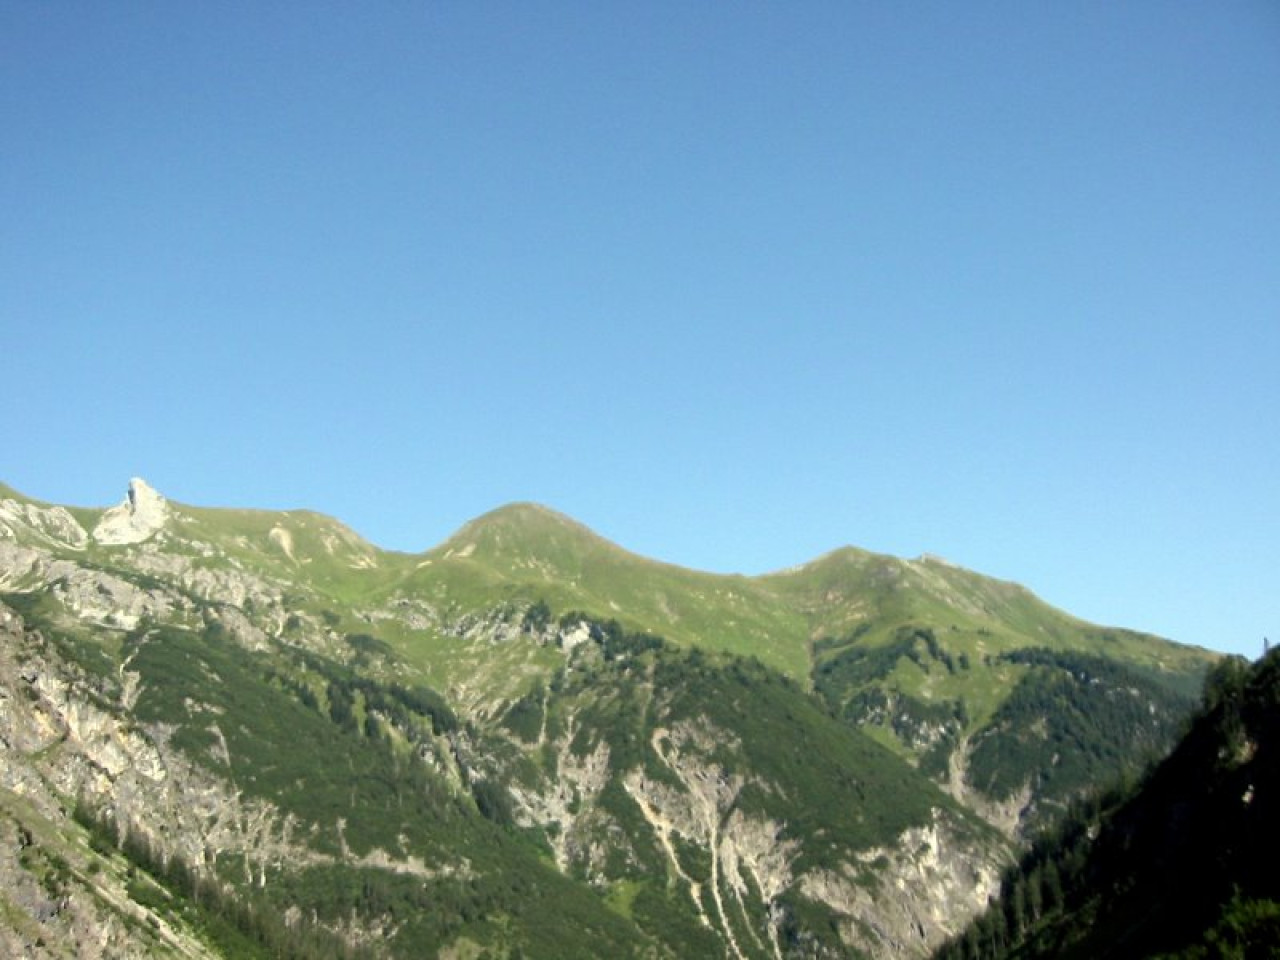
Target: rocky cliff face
924 881
61 896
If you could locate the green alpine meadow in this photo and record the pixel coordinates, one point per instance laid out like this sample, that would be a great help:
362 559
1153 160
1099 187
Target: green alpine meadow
235 733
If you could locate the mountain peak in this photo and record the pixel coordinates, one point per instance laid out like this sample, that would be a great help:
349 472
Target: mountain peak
523 517
139 517
524 510
521 527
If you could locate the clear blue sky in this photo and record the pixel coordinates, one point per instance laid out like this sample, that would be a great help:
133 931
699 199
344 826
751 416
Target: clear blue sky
733 284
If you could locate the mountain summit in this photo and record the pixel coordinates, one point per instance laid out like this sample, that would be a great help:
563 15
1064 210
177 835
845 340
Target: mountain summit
524 530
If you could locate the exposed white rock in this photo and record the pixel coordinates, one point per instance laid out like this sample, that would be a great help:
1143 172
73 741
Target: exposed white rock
94 596
53 523
575 636
138 518
283 539
61 737
569 801
905 899
750 857
1010 816
107 600
412 612
18 563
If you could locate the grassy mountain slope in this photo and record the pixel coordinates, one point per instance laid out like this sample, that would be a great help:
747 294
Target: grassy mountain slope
529 552
801 621
922 655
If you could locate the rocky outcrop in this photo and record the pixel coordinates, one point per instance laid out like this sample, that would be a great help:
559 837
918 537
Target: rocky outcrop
93 596
53 524
58 896
138 518
1010 816
906 899
567 805
65 734
748 857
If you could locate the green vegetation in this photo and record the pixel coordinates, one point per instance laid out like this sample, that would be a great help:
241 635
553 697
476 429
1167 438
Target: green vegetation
333 768
1073 721
1179 865
859 684
786 738
1065 721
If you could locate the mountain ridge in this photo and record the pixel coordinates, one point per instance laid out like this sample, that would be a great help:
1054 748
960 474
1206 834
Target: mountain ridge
747 766
531 552
519 513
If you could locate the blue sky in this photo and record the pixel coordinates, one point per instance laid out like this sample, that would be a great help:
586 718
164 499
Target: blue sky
733 284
